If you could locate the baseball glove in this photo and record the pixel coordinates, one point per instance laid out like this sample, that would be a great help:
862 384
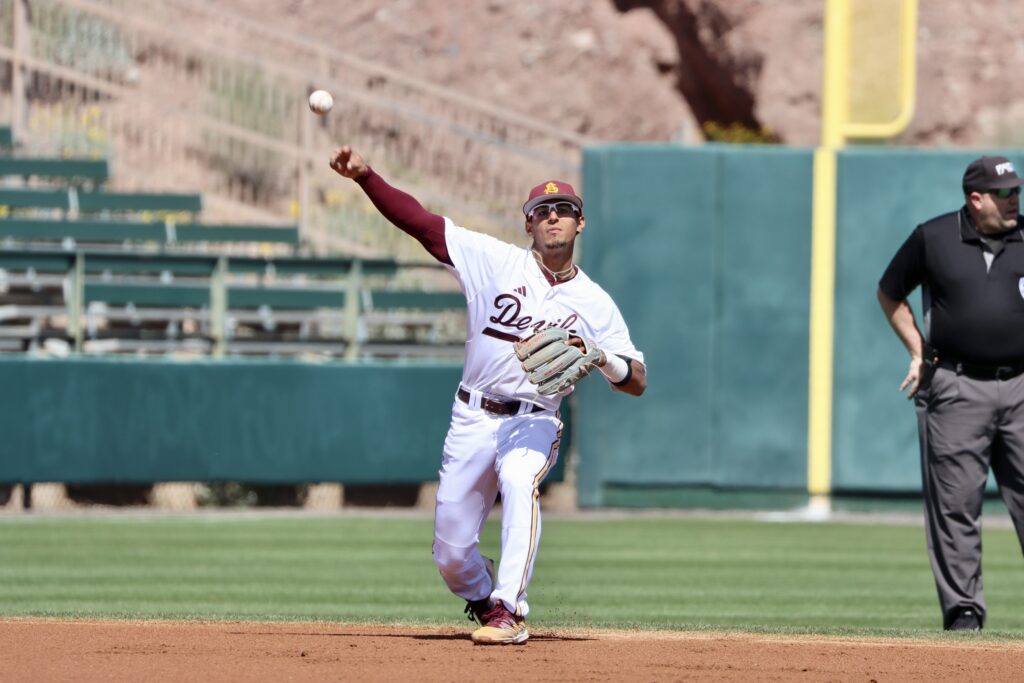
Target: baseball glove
552 362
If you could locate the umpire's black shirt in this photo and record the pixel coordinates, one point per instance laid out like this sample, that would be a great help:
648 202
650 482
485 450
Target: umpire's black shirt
974 313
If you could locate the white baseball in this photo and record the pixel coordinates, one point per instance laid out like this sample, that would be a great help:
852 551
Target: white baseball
320 101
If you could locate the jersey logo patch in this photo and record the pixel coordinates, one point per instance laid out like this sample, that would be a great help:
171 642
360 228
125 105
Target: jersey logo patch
521 290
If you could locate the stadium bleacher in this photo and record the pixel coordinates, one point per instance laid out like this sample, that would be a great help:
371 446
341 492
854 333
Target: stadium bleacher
166 232
103 271
70 199
132 301
80 171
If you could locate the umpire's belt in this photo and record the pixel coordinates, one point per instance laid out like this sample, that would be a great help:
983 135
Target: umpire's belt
981 371
497 406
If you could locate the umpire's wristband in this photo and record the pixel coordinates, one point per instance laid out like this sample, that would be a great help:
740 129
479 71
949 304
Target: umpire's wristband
616 369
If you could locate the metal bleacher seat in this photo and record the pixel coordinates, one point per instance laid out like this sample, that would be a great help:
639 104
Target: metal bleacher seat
411 322
70 170
111 231
97 201
70 199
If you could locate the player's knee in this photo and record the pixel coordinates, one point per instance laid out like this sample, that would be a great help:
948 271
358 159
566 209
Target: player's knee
452 561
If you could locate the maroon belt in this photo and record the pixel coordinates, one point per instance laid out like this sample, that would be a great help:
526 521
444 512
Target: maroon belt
497 406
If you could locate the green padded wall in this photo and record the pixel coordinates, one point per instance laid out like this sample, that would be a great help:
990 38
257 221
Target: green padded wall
883 194
135 420
764 258
648 209
706 251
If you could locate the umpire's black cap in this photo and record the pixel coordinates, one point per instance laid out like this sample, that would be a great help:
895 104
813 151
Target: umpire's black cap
990 173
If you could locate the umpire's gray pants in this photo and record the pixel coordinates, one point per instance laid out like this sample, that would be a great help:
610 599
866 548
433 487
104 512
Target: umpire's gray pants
967 425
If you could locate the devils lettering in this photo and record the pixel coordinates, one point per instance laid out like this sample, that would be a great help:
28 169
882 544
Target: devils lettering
509 314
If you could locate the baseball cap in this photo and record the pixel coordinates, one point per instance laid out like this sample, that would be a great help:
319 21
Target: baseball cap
990 173
550 191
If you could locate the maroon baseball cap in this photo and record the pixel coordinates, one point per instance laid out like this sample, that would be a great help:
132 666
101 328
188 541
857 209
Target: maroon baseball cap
990 173
552 190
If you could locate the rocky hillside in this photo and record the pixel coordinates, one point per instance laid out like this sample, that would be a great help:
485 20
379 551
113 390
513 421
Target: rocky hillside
663 69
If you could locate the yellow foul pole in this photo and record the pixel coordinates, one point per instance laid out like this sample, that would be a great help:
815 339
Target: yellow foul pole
823 257
835 129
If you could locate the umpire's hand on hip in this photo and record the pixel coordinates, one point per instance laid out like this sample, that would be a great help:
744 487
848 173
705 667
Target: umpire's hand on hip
913 378
348 163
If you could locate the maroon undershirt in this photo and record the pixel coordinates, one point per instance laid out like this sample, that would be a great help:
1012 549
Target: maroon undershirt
407 214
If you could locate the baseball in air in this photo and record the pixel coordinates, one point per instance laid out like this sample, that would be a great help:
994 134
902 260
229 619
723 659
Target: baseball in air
320 101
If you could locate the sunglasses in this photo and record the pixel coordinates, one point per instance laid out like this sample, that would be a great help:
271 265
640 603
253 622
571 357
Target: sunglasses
1005 192
562 209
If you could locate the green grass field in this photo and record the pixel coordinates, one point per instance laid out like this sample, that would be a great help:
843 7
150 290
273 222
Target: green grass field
647 573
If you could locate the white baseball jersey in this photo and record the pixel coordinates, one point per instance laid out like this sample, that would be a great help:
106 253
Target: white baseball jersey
509 298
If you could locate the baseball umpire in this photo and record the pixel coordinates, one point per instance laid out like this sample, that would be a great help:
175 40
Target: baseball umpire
536 325
966 372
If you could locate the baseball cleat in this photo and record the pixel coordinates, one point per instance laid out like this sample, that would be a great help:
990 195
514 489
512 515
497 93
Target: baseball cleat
477 609
501 627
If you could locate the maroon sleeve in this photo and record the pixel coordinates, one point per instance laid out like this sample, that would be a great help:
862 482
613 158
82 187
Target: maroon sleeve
406 213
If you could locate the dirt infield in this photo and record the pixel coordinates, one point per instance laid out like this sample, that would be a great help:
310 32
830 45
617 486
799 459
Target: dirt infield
52 650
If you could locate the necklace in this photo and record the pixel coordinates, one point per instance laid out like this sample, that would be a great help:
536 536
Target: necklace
557 275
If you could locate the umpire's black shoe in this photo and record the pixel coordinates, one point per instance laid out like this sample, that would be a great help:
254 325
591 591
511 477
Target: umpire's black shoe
966 620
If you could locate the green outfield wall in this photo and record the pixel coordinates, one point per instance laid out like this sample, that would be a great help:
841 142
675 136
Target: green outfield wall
707 252
135 420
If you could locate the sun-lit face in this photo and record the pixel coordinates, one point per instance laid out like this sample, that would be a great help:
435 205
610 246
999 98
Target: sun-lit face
554 225
996 211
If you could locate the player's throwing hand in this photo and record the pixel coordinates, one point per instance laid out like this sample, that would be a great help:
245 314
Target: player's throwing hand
348 163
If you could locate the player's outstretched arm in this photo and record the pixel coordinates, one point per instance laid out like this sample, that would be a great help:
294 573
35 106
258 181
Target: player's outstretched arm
401 208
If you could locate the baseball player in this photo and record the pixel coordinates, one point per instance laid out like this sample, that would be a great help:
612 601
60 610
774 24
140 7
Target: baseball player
536 324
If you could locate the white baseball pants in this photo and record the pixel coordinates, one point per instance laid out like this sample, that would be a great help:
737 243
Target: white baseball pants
486 454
